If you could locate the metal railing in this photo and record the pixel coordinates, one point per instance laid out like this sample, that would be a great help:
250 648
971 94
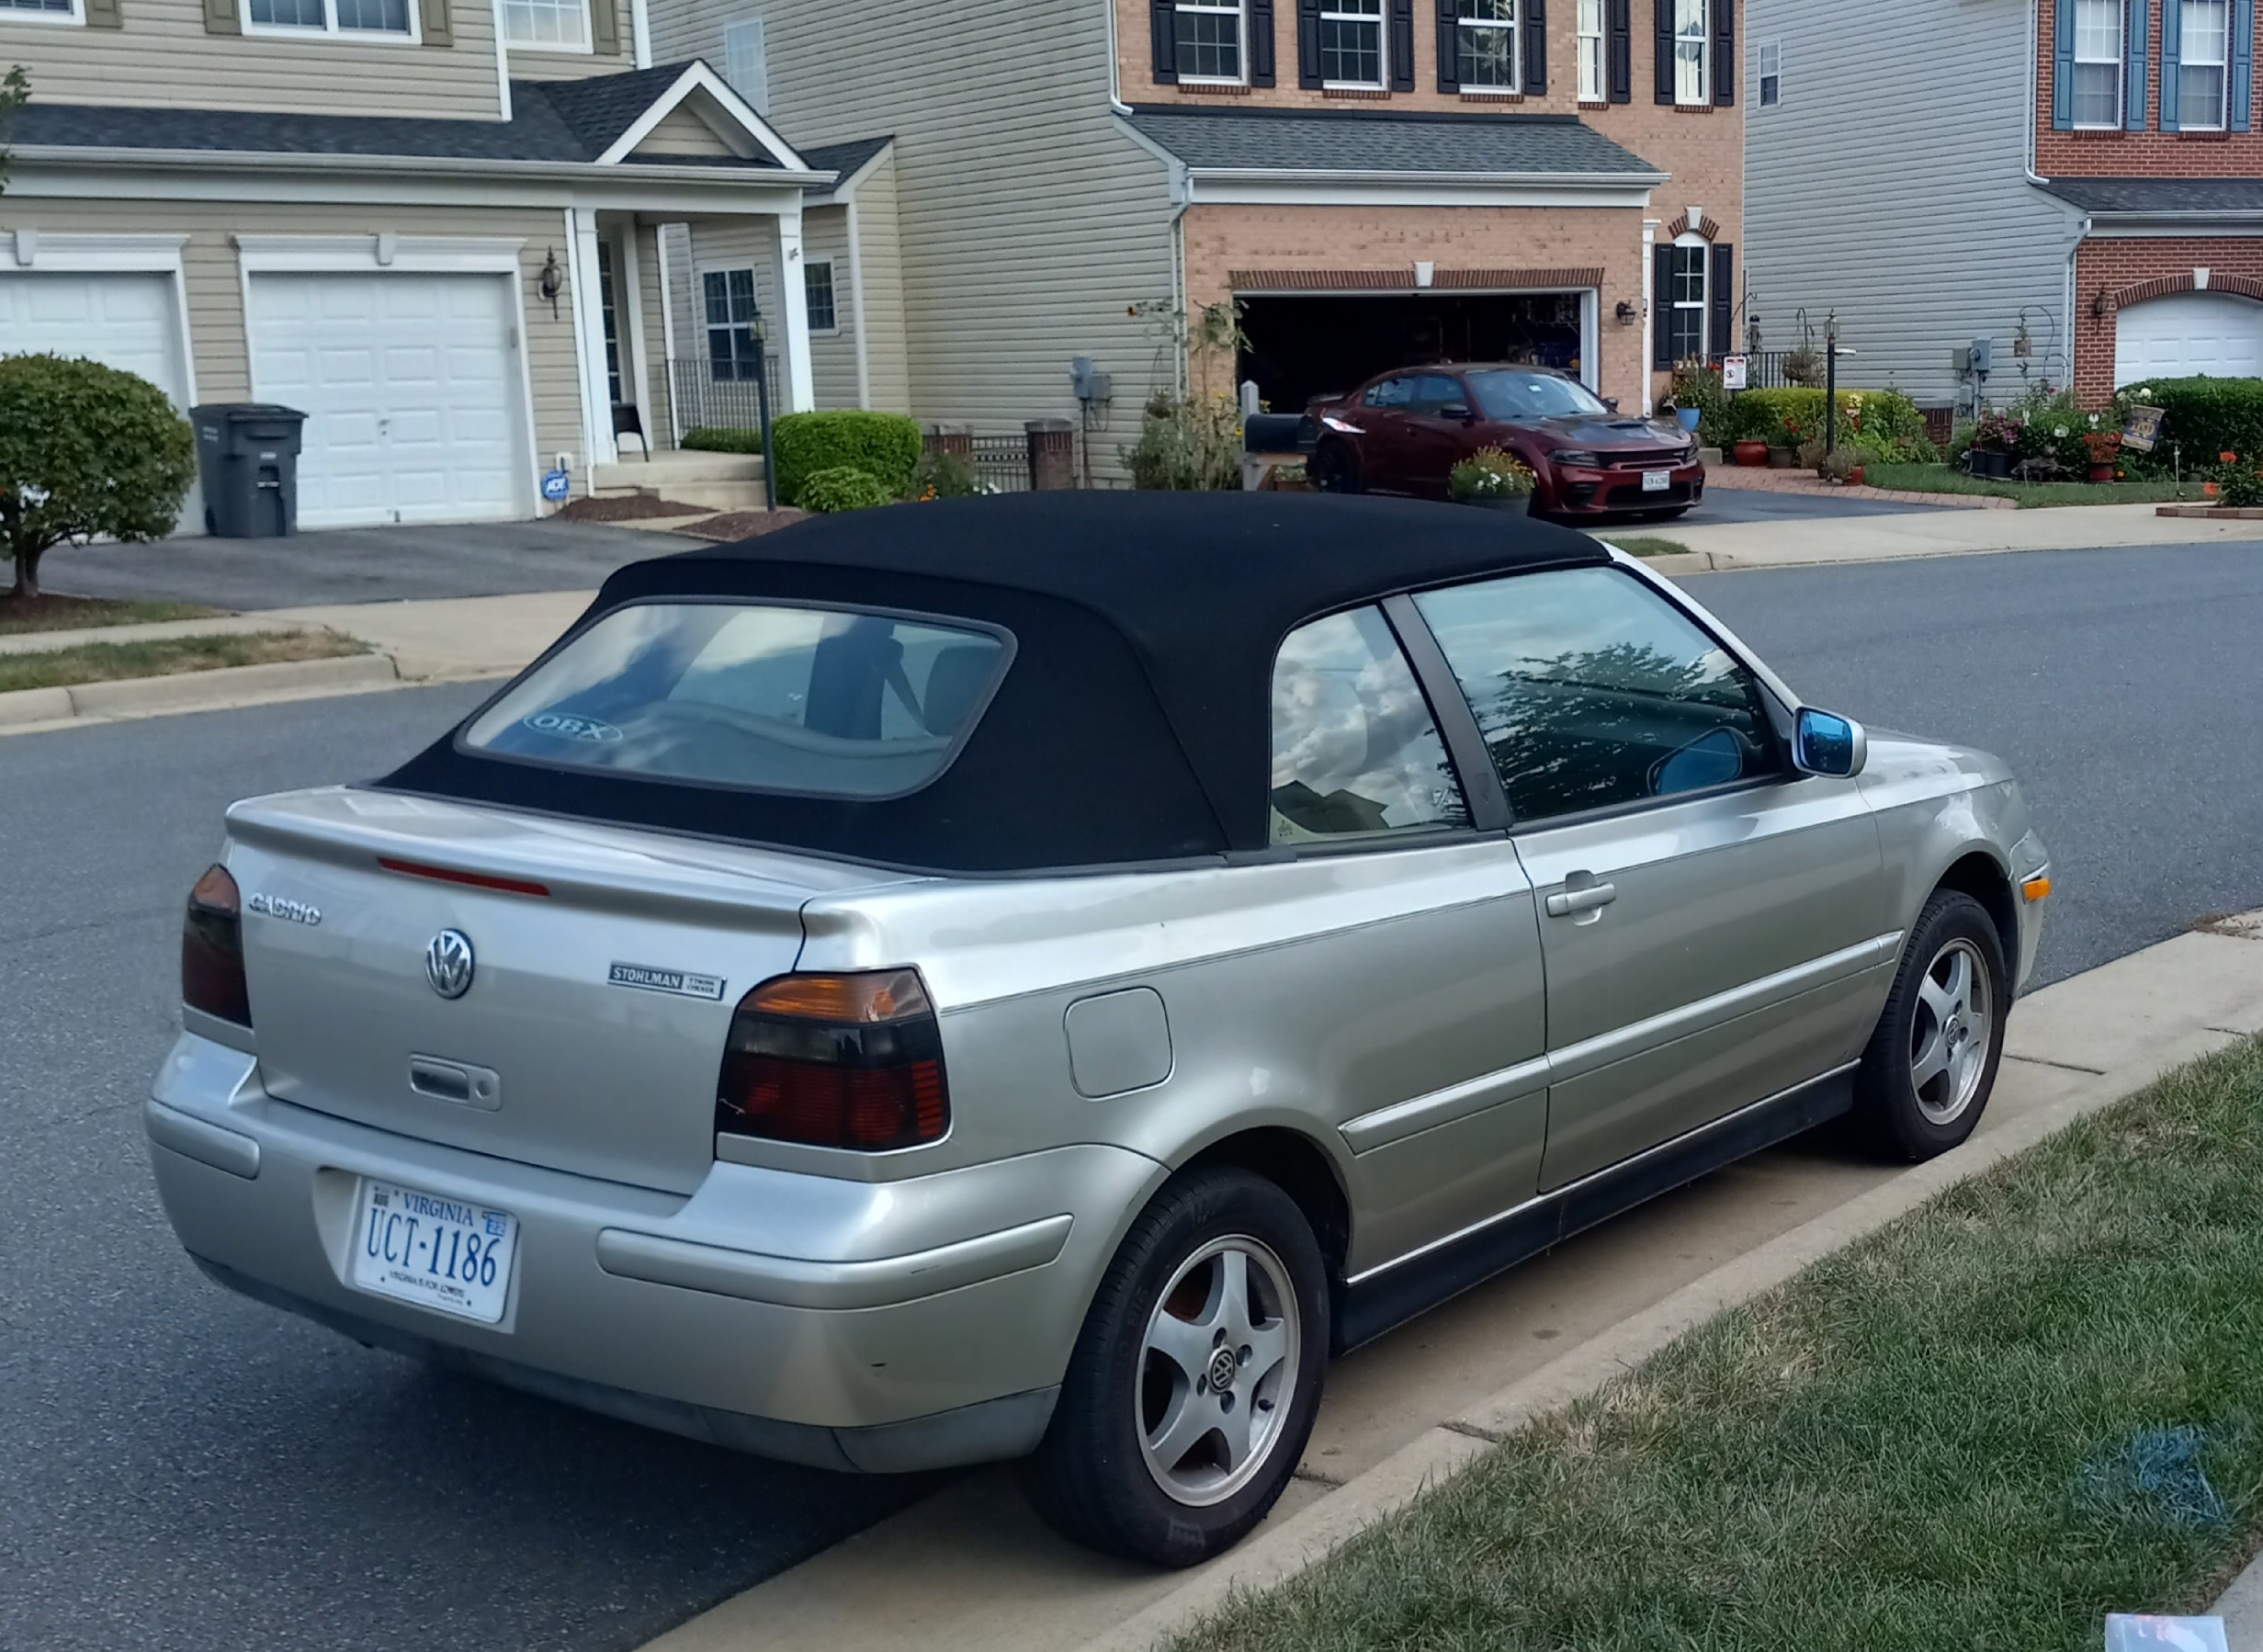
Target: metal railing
705 401
1015 464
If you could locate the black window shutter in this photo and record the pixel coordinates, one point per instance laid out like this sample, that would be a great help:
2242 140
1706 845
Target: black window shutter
1449 49
1620 55
1723 53
1535 46
1162 18
1662 307
1309 44
1402 45
1721 339
1665 63
1261 42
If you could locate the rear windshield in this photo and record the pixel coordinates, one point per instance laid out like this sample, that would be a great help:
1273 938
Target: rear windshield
774 699
1505 393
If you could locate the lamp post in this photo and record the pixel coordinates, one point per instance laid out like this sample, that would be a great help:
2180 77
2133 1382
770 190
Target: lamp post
1830 383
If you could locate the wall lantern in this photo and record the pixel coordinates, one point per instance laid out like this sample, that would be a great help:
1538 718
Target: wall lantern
1626 313
550 280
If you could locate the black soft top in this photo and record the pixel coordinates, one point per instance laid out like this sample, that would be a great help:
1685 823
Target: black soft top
1135 722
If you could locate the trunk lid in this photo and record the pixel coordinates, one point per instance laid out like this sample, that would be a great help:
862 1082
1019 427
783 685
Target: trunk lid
603 973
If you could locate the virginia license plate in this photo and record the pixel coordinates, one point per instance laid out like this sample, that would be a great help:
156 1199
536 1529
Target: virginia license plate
438 1252
1657 482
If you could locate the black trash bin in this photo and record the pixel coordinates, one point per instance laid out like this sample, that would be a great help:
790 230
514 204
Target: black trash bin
247 455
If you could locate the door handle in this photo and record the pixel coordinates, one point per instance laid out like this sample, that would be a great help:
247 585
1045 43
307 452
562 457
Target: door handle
1588 898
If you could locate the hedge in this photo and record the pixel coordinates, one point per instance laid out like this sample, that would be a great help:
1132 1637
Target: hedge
720 439
840 488
2204 417
885 447
1883 422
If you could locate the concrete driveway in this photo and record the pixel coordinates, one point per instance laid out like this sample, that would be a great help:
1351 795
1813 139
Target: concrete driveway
360 564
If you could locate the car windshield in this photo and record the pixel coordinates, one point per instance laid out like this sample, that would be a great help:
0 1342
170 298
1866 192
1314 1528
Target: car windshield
1509 393
771 698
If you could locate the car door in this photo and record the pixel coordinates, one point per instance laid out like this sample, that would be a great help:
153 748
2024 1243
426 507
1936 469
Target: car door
1422 1021
1384 435
1713 923
1438 432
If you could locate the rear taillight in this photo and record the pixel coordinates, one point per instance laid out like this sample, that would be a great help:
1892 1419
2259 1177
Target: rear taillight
212 950
836 1061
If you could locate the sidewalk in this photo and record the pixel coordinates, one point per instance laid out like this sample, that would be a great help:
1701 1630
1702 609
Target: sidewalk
971 1567
1812 540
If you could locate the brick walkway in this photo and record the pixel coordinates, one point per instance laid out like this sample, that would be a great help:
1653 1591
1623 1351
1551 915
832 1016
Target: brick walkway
1767 478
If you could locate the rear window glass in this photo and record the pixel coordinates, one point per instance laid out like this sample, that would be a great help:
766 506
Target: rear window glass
771 698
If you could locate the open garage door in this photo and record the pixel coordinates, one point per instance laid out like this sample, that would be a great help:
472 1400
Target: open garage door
1307 345
2190 333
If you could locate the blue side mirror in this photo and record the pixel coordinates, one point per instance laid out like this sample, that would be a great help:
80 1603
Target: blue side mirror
1823 743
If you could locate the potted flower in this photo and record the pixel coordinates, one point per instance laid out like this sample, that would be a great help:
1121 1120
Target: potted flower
1782 453
1497 481
1750 450
1996 444
2104 446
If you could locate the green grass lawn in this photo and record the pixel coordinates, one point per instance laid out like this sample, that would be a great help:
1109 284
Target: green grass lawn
111 662
1940 478
1963 1432
1648 545
71 613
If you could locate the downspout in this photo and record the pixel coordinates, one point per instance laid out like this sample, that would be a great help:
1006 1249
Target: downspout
2036 180
641 33
1649 310
1116 69
857 307
503 62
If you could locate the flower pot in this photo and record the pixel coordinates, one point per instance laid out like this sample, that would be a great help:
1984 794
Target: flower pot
1689 416
2102 472
1509 504
1780 459
1854 477
1983 461
1752 453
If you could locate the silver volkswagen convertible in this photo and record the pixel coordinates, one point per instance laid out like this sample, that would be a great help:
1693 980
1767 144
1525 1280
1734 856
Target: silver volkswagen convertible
1036 976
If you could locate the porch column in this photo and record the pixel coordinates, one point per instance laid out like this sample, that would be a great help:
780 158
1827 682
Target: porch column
629 322
794 298
589 338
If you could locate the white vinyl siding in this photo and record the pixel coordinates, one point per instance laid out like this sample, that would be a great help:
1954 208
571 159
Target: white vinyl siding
164 56
2097 62
1918 244
1694 50
1592 89
2203 65
1352 50
1485 45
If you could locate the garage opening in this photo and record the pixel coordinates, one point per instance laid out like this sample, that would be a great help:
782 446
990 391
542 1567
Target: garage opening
1303 345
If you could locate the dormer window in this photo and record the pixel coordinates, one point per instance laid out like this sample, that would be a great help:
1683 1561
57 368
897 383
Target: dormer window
385 18
549 25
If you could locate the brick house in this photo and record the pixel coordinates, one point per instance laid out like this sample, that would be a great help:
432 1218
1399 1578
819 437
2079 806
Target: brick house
1378 182
2083 188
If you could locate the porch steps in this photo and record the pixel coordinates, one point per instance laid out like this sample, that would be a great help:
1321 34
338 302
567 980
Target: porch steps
721 482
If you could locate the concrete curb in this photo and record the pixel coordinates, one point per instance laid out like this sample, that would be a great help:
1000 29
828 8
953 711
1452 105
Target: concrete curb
30 710
1277 1553
160 630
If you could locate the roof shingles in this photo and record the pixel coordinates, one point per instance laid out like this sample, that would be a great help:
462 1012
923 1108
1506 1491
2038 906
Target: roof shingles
1359 140
2142 196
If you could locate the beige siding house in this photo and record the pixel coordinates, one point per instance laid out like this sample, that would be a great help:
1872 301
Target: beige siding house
435 226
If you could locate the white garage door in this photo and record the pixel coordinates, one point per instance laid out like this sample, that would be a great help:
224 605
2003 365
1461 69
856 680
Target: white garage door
413 394
2208 333
132 322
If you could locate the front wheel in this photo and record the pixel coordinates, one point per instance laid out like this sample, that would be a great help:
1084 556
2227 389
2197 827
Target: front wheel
1927 1075
1195 1379
1334 469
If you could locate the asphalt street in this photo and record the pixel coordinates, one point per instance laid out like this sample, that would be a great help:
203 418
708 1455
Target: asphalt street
1754 505
185 1470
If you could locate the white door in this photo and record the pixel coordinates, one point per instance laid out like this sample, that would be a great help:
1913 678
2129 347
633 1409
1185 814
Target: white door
131 322
410 382
2211 333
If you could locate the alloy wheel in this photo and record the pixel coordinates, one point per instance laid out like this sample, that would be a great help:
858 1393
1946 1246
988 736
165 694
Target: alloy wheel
1217 1371
1948 1038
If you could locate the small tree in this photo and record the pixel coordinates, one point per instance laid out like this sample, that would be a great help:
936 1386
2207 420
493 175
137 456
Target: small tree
85 449
15 92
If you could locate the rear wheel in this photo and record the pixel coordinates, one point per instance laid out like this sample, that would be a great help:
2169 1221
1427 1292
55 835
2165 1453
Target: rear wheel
1926 1077
1335 469
1196 1377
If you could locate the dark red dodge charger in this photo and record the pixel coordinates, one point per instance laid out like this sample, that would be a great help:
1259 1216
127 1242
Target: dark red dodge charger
1403 431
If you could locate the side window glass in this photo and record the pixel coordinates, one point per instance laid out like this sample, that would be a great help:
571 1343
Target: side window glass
1391 392
1355 751
1436 390
1592 690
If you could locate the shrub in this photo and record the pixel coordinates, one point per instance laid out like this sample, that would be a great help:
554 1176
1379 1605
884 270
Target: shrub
1187 442
840 488
1490 473
86 449
1701 388
2203 417
2239 481
885 447
947 475
716 439
1885 425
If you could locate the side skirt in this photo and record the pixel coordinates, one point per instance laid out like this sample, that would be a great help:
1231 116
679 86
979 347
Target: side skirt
1382 1299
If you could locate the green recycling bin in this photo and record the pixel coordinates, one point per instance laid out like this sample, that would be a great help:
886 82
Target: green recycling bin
247 456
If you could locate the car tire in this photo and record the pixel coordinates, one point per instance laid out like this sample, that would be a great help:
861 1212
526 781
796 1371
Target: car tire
1127 1466
1335 469
1926 1077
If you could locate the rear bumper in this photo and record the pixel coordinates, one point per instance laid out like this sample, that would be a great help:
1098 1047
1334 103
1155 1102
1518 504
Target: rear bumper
882 1326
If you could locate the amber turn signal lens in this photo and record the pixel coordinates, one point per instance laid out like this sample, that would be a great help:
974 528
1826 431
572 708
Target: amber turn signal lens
865 998
2036 889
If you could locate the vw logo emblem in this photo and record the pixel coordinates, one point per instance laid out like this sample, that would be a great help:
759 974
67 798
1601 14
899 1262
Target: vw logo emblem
447 963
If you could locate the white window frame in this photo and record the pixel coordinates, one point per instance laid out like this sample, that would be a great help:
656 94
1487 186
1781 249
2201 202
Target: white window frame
1241 14
1332 11
1670 301
2121 39
2222 64
831 267
748 20
74 18
708 326
1513 27
1768 76
1701 38
589 33
330 29
1594 55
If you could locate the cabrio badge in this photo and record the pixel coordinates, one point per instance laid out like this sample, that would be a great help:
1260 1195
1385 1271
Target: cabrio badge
277 906
448 964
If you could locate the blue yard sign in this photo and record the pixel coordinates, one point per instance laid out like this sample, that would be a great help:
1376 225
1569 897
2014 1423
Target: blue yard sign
557 485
